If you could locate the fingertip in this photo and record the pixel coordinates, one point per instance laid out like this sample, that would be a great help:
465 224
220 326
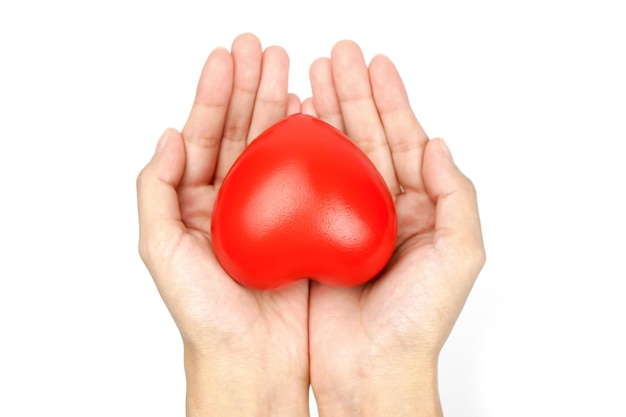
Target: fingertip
165 169
308 107
220 56
247 40
318 65
438 166
320 72
277 52
275 66
163 140
293 104
347 57
444 148
381 64
169 160
324 103
218 66
219 52
380 58
246 51
166 137
343 46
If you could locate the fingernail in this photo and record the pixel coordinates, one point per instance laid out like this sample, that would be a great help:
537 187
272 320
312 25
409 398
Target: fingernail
163 141
446 150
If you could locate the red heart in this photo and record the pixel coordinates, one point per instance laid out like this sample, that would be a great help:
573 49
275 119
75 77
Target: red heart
302 201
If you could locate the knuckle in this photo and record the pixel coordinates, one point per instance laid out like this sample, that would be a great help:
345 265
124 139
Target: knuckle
465 252
235 133
156 245
145 249
403 145
478 257
141 178
369 144
469 187
203 139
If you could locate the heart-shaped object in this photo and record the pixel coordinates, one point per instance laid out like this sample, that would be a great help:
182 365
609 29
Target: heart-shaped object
303 202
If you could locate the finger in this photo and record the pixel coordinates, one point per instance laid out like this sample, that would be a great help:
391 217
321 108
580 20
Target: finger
405 135
271 100
246 52
308 107
325 101
157 200
457 223
359 111
204 127
293 104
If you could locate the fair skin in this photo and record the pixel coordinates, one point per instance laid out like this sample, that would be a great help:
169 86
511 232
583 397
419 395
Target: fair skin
374 348
367 350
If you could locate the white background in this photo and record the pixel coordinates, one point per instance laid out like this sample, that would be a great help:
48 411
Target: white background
530 96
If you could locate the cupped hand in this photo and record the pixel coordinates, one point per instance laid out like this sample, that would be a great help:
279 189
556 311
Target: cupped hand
239 340
374 347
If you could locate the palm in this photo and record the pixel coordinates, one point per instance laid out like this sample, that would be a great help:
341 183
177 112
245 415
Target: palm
213 293
349 322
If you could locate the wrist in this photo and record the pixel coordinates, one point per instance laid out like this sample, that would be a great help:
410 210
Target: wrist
230 384
409 389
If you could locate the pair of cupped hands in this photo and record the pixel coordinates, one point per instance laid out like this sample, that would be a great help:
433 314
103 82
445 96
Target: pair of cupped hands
366 350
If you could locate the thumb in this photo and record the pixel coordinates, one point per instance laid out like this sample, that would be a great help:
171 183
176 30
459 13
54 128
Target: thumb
157 200
457 223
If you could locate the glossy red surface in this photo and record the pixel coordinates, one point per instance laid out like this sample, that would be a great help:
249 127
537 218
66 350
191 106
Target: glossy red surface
303 201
